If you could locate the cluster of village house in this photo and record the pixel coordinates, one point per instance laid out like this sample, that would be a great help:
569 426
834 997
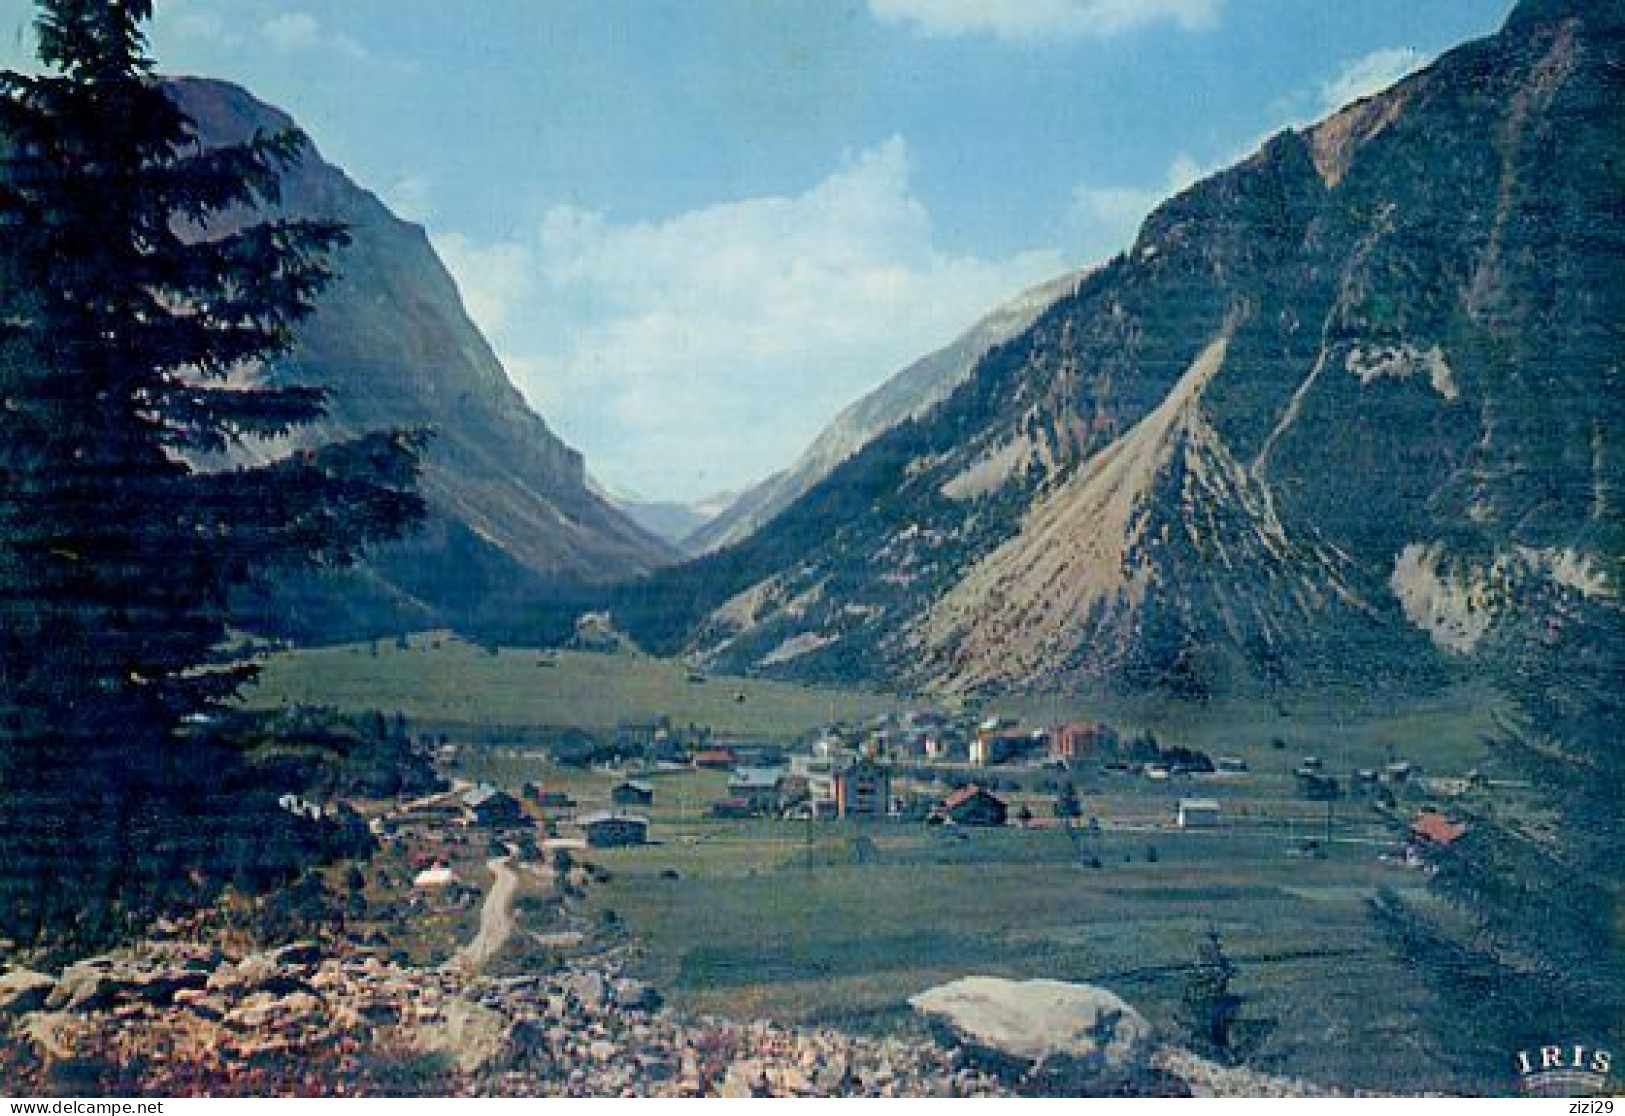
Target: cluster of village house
804 787
855 774
850 774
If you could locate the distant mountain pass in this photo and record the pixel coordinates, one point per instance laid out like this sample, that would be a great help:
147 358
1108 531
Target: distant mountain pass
673 521
909 394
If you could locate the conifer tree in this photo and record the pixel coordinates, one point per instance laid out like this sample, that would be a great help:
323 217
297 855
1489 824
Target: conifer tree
1067 805
146 284
1211 1013
1528 946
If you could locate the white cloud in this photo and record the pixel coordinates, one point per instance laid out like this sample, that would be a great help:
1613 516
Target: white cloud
200 32
409 198
494 278
1370 74
1035 19
294 32
707 349
187 21
1105 218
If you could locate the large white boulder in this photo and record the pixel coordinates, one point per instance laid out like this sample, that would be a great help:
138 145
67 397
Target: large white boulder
1049 1035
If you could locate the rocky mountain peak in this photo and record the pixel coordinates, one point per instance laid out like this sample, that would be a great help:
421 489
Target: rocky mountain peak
1596 14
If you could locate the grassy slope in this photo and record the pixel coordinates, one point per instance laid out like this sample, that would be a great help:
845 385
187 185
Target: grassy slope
1348 729
750 928
440 679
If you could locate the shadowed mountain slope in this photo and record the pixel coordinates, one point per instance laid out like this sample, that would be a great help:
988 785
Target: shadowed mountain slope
511 516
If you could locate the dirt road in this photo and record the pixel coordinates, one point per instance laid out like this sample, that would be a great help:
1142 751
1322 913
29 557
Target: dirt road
496 919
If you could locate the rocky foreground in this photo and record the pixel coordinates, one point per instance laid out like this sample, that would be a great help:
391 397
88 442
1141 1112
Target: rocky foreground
179 1018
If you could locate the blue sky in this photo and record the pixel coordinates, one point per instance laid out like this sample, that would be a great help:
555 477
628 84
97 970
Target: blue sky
695 229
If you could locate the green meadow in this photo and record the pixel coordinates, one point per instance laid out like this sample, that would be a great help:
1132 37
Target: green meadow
840 923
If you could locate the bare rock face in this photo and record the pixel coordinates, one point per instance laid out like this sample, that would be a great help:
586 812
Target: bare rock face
279 971
1047 1034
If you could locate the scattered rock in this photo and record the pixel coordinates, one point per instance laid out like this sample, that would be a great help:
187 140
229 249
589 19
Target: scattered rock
349 1022
1203 1078
98 981
791 1081
744 1079
834 1076
56 1035
560 939
23 991
588 988
201 1003
475 1037
635 995
267 972
296 955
